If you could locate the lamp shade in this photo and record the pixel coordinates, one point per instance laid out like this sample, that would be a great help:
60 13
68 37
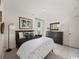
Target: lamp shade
12 26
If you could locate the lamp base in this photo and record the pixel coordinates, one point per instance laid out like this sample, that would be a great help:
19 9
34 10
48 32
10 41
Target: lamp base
8 50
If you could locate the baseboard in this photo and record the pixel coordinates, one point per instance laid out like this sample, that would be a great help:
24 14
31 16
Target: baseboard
71 46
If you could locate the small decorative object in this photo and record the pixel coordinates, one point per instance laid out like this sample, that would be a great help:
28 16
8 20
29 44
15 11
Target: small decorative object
2 27
54 26
25 23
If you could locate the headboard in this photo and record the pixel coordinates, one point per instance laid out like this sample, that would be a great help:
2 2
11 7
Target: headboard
18 31
20 41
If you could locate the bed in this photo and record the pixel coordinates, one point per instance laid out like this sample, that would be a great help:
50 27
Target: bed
36 48
22 36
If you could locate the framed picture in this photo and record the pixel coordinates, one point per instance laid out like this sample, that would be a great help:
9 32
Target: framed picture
39 25
25 23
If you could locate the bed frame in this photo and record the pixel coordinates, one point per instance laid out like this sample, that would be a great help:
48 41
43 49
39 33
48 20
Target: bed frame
19 41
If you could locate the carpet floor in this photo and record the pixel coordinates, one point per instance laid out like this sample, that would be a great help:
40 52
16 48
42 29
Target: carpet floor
12 55
59 52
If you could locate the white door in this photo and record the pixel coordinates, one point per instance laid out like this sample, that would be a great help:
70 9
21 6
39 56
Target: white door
64 27
74 36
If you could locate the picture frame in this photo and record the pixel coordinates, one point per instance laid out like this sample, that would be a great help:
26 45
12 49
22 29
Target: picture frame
39 25
25 23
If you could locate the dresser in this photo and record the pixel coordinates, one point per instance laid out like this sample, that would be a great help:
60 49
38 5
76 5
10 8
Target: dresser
57 36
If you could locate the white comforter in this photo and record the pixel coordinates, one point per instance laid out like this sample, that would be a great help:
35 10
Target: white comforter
36 48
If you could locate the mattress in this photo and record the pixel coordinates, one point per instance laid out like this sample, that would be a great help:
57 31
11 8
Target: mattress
36 48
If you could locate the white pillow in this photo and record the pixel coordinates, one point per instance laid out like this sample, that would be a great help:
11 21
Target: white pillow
21 35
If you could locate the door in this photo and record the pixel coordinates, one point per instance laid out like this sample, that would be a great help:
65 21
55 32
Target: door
74 33
64 27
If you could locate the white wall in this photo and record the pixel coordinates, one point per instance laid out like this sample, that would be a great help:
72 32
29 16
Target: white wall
48 10
1 35
1 46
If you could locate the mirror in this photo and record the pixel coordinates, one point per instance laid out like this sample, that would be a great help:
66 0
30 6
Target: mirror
54 26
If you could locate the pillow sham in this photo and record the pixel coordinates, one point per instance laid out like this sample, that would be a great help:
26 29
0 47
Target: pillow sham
21 35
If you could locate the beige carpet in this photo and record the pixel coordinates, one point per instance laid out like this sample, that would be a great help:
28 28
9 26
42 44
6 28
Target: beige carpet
60 52
12 55
53 56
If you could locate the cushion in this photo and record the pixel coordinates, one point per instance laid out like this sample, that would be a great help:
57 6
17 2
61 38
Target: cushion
21 35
